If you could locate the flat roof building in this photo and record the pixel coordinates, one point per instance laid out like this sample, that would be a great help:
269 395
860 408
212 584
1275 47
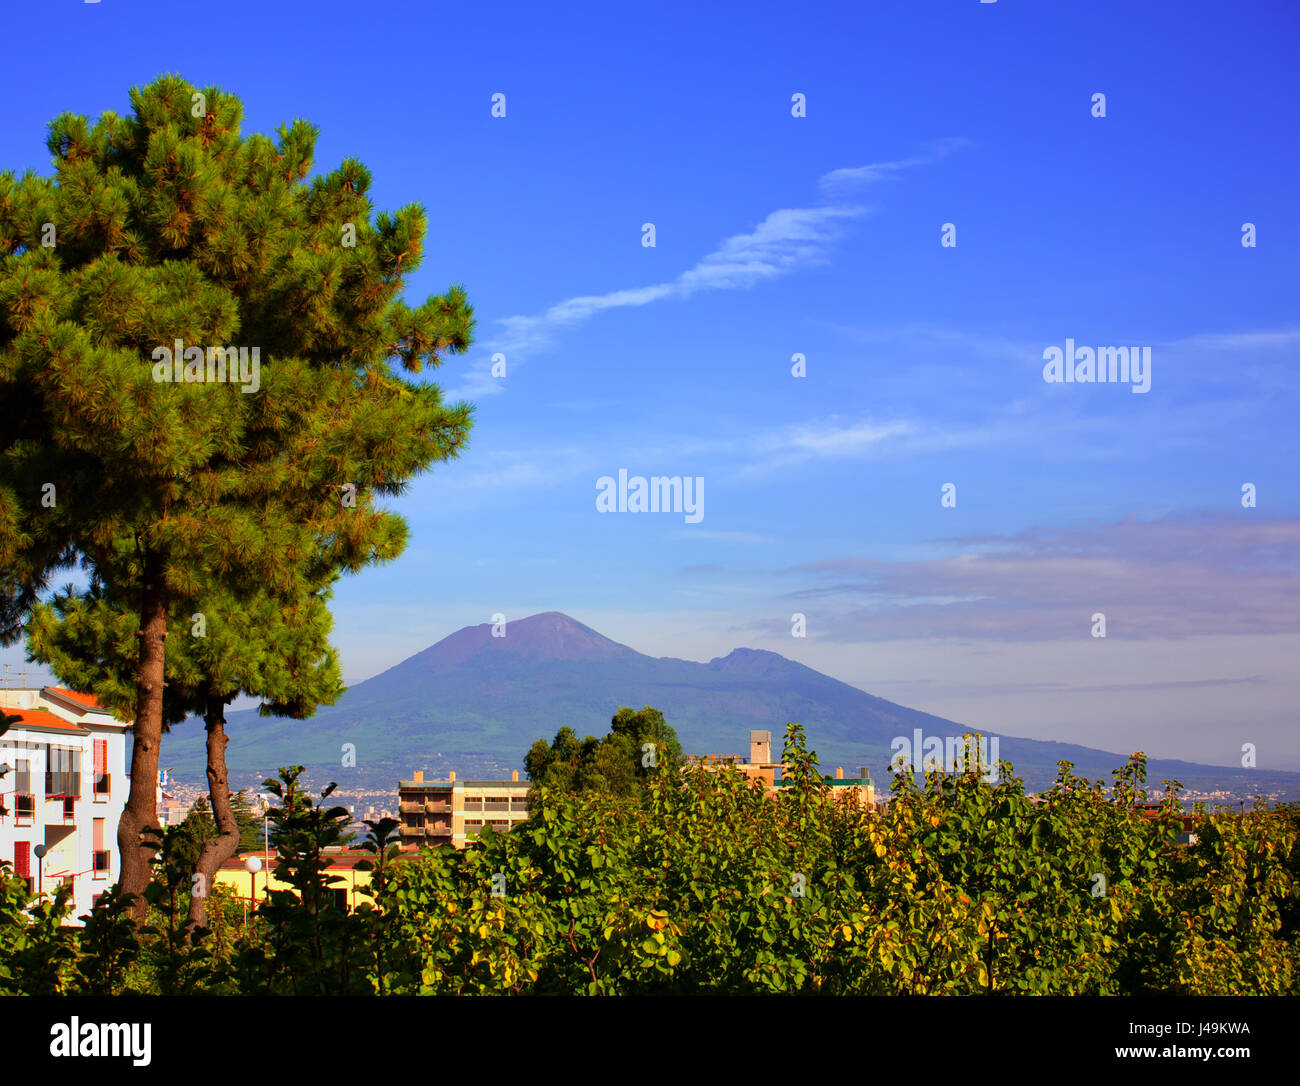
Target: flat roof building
452 812
859 789
760 766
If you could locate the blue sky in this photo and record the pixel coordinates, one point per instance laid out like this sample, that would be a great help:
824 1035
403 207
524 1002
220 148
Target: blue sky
820 235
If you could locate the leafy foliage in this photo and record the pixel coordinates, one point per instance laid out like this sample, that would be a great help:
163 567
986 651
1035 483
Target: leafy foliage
186 495
706 884
619 764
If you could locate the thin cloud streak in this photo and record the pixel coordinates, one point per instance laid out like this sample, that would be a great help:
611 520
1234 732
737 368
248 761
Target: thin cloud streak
787 240
1173 578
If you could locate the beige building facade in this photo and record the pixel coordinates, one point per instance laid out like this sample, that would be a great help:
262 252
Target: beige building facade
760 766
453 812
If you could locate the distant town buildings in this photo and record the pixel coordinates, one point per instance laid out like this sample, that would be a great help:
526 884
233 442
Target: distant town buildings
452 812
760 767
64 791
172 811
858 790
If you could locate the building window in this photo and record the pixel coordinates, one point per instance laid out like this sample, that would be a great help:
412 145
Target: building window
340 900
102 778
62 772
69 808
100 856
24 801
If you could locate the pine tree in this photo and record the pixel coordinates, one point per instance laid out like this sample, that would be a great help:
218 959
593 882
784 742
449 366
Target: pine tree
166 232
276 650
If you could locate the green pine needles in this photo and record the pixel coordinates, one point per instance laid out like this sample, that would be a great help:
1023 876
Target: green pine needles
211 516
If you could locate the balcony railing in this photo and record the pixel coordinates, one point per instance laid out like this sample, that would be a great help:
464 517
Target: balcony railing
438 829
437 807
24 806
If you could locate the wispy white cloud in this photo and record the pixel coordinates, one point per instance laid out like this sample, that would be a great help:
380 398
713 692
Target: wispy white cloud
838 180
787 240
1236 341
831 440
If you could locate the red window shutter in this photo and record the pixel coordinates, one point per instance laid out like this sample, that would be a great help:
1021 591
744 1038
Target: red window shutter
101 758
22 858
99 835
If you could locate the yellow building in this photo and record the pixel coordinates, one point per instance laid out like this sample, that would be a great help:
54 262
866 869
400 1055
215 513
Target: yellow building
347 894
452 812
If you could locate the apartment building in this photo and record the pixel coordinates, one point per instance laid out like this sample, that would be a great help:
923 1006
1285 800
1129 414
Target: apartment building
452 812
64 791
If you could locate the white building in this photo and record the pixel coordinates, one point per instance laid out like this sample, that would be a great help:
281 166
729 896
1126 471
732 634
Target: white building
65 789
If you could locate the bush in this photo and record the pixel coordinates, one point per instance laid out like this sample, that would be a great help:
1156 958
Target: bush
700 882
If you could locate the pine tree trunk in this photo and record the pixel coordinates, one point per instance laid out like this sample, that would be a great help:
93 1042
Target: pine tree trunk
216 850
141 810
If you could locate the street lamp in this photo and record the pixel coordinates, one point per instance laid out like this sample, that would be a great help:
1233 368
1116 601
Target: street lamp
252 865
40 851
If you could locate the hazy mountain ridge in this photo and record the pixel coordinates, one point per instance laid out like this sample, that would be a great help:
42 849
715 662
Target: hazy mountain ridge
490 697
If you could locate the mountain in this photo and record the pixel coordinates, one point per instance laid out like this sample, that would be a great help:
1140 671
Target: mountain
475 703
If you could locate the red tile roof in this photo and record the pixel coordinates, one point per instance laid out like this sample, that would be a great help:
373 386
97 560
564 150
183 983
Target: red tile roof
43 718
88 700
